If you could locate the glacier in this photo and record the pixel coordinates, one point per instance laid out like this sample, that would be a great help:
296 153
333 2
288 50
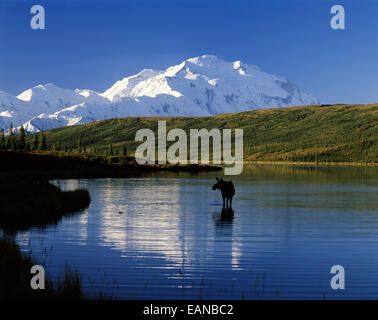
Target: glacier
200 86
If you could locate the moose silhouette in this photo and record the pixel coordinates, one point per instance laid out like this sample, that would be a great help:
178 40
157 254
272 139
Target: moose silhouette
228 190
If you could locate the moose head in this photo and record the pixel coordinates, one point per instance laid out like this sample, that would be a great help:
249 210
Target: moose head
227 189
218 185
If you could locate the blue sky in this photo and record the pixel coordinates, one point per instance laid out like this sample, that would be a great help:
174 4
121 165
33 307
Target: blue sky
92 44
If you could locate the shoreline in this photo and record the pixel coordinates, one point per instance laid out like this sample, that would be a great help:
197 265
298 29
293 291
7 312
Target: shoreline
49 165
312 163
15 277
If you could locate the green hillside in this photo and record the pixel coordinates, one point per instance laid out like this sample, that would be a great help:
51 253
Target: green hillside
327 133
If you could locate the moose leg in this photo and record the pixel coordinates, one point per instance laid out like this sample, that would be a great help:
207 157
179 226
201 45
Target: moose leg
231 203
223 201
227 199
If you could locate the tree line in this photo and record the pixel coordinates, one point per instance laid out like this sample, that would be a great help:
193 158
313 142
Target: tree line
20 143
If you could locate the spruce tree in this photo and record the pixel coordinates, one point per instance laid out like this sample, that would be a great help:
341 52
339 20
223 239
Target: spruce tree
43 144
36 142
11 139
111 150
21 139
2 139
57 145
124 153
79 144
40 138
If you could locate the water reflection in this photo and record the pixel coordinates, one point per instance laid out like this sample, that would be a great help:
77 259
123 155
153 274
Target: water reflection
166 236
149 222
226 241
223 221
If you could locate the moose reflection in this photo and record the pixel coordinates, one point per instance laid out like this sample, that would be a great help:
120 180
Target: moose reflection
224 222
228 191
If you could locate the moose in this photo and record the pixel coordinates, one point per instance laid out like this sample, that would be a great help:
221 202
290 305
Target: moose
228 191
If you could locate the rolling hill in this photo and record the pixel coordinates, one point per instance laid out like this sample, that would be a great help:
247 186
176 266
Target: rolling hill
325 133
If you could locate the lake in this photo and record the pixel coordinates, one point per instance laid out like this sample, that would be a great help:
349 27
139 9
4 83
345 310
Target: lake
163 235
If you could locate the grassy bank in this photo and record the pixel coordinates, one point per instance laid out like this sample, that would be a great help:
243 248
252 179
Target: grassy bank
26 203
15 278
64 165
327 133
27 198
316 163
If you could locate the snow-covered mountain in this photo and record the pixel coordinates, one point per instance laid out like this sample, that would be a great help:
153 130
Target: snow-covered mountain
12 109
200 86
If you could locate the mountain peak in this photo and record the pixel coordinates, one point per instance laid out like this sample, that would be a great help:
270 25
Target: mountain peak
28 94
199 86
46 86
213 85
206 59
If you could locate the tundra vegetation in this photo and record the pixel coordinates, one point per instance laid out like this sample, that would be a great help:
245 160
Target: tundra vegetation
311 134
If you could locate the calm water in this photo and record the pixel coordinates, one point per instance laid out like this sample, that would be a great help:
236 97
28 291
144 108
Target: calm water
170 240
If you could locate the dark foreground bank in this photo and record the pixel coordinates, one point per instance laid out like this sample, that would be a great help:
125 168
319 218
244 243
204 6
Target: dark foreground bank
15 278
24 204
62 165
27 203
